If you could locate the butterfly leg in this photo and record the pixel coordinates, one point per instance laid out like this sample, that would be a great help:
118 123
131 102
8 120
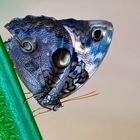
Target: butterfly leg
35 110
34 95
43 112
27 93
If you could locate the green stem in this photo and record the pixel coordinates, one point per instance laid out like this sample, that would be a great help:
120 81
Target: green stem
16 120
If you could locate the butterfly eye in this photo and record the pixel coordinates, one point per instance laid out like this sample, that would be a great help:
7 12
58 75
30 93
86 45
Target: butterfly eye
28 45
97 35
61 58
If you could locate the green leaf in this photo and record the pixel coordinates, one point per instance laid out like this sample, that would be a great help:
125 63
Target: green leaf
16 120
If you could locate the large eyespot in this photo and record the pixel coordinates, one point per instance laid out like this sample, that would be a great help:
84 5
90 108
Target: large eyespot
61 58
97 35
28 45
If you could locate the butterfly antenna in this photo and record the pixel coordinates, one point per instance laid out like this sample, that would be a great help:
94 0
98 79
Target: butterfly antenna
88 95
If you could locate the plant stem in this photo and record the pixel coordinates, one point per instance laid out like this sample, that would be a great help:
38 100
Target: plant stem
16 120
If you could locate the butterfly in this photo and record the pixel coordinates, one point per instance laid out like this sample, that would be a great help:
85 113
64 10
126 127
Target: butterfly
53 57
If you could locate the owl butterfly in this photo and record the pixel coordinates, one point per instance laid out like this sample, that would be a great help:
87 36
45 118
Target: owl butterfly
53 57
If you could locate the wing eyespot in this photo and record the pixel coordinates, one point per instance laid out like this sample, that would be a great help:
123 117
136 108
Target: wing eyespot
61 58
97 35
28 45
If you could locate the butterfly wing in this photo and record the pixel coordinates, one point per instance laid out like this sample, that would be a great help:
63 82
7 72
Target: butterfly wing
88 50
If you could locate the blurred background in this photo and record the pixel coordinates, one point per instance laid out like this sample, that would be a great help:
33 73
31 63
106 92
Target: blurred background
115 113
